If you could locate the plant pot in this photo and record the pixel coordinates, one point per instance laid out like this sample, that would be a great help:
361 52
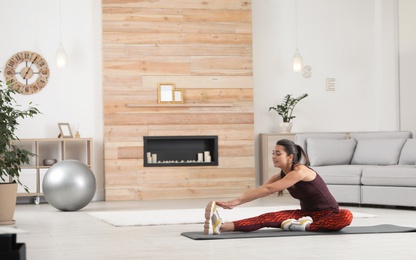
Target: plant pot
8 196
285 127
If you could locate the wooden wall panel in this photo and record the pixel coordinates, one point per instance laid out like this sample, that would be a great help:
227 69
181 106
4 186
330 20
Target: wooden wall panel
205 48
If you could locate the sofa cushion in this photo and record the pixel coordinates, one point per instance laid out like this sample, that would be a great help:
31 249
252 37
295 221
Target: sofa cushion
381 135
394 175
340 174
346 193
301 138
408 154
378 151
392 196
330 151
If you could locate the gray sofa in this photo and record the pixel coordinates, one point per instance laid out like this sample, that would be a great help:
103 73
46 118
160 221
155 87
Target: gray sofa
373 168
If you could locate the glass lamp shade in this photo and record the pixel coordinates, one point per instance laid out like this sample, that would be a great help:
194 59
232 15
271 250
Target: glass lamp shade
61 57
297 61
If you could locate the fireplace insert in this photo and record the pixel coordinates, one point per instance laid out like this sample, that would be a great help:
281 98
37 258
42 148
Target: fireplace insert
160 151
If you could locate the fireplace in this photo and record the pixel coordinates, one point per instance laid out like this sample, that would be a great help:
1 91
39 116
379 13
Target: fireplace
160 151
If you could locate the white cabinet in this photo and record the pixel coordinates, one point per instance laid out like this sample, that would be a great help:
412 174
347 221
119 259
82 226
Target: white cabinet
267 143
50 148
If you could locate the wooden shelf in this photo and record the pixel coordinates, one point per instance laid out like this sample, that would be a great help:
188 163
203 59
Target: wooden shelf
50 148
183 105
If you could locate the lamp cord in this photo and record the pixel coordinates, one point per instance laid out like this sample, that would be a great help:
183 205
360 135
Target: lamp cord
60 22
296 23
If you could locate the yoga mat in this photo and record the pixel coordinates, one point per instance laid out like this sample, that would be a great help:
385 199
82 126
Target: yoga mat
270 232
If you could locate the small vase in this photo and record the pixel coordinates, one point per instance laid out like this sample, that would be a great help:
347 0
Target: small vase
286 127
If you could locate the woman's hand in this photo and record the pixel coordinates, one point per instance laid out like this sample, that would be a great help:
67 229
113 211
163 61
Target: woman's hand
228 204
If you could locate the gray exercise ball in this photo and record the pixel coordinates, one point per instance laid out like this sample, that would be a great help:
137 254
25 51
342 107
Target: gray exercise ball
69 185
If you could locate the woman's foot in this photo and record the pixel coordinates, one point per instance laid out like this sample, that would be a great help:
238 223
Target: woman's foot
301 224
213 221
287 224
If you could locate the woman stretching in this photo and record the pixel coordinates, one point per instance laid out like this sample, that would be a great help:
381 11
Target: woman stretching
318 209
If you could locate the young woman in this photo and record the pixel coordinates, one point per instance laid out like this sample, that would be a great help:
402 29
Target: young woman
318 211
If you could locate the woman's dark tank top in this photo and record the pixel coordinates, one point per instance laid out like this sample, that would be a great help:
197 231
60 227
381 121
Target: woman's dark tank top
313 195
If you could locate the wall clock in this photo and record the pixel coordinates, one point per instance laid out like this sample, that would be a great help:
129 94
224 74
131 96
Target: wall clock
27 72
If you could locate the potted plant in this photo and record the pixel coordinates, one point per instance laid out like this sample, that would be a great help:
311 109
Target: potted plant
285 110
11 155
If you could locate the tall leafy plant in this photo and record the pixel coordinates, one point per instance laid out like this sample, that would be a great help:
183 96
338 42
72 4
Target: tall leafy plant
285 109
11 155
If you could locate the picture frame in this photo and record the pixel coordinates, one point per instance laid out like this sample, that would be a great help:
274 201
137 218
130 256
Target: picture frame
65 130
178 96
165 92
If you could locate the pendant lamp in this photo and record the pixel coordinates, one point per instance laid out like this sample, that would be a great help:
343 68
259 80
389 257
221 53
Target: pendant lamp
297 61
297 58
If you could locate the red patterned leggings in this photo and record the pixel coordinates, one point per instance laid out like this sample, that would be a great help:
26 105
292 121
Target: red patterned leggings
324 220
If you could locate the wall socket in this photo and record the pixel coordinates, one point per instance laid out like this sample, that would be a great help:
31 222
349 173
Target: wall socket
330 84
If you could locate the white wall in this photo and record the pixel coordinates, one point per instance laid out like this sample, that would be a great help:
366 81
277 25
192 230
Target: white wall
353 41
407 46
73 94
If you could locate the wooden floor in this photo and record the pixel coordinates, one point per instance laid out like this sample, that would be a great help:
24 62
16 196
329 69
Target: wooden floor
76 235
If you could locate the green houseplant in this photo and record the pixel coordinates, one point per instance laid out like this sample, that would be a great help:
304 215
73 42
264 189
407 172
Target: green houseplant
11 155
285 110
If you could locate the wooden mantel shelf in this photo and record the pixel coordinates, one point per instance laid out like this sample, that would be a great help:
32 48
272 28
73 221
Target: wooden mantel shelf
183 105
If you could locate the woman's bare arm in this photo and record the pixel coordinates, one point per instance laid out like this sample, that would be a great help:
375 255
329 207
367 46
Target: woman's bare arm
272 186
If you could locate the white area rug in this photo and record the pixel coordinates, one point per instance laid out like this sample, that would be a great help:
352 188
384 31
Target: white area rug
185 216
